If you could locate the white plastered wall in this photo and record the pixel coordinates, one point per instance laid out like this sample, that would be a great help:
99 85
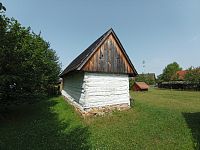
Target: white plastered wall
96 89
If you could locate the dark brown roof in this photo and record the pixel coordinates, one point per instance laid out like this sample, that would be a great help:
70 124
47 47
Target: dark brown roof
79 61
142 85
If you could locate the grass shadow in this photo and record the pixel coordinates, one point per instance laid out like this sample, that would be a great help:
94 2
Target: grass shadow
38 127
193 122
132 102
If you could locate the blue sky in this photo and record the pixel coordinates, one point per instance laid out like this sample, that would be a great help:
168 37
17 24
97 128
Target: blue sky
157 31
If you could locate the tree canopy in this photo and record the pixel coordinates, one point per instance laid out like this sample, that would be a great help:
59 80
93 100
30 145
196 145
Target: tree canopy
169 72
193 75
148 78
2 8
27 63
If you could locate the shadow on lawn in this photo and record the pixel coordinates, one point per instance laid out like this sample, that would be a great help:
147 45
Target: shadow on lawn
38 127
193 121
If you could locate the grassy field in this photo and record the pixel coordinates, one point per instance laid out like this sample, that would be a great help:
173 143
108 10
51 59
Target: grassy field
158 119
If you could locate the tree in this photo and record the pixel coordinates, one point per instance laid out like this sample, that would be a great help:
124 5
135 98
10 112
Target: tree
169 73
147 78
131 83
2 7
28 66
193 75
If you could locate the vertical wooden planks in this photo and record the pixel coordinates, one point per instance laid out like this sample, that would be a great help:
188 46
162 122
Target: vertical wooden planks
105 50
112 57
101 59
95 62
108 58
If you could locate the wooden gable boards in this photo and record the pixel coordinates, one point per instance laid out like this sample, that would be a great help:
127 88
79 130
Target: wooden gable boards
109 57
106 54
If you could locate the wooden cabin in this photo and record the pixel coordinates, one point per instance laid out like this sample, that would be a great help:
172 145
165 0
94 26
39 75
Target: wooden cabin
140 86
99 76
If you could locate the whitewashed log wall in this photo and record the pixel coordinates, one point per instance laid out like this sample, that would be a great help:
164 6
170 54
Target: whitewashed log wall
73 88
97 89
106 89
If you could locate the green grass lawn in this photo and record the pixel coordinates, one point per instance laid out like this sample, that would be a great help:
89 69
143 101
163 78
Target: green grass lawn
159 119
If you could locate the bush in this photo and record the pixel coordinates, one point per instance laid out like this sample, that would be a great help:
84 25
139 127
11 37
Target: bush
131 83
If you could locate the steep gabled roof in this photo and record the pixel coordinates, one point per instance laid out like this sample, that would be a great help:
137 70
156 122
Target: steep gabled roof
79 61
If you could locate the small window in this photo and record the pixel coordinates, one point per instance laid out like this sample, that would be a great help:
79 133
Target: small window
101 55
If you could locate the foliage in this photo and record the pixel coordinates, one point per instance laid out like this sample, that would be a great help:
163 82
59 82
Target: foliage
193 75
131 83
160 119
27 63
147 78
169 73
2 8
180 85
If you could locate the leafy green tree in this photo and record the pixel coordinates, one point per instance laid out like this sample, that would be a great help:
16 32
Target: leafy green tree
169 73
28 66
147 78
2 8
193 75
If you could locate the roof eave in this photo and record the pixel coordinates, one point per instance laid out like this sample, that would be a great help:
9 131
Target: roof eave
95 49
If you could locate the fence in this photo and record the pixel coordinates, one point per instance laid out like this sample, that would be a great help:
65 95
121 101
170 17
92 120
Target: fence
54 90
181 85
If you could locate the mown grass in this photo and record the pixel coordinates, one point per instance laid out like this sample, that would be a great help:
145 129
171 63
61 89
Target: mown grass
159 119
50 124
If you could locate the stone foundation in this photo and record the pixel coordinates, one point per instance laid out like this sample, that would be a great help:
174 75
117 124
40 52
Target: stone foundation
106 109
98 111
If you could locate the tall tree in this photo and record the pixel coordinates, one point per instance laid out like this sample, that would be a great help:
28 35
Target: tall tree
169 72
27 63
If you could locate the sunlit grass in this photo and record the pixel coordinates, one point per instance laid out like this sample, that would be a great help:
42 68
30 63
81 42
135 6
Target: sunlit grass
159 119
184 101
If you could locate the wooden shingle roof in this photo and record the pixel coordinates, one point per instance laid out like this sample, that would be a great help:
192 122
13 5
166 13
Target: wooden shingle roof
79 61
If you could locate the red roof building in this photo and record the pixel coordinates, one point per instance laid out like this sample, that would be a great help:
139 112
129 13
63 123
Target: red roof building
181 74
140 86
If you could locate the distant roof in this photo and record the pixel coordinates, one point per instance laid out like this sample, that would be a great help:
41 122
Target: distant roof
79 61
181 74
142 85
